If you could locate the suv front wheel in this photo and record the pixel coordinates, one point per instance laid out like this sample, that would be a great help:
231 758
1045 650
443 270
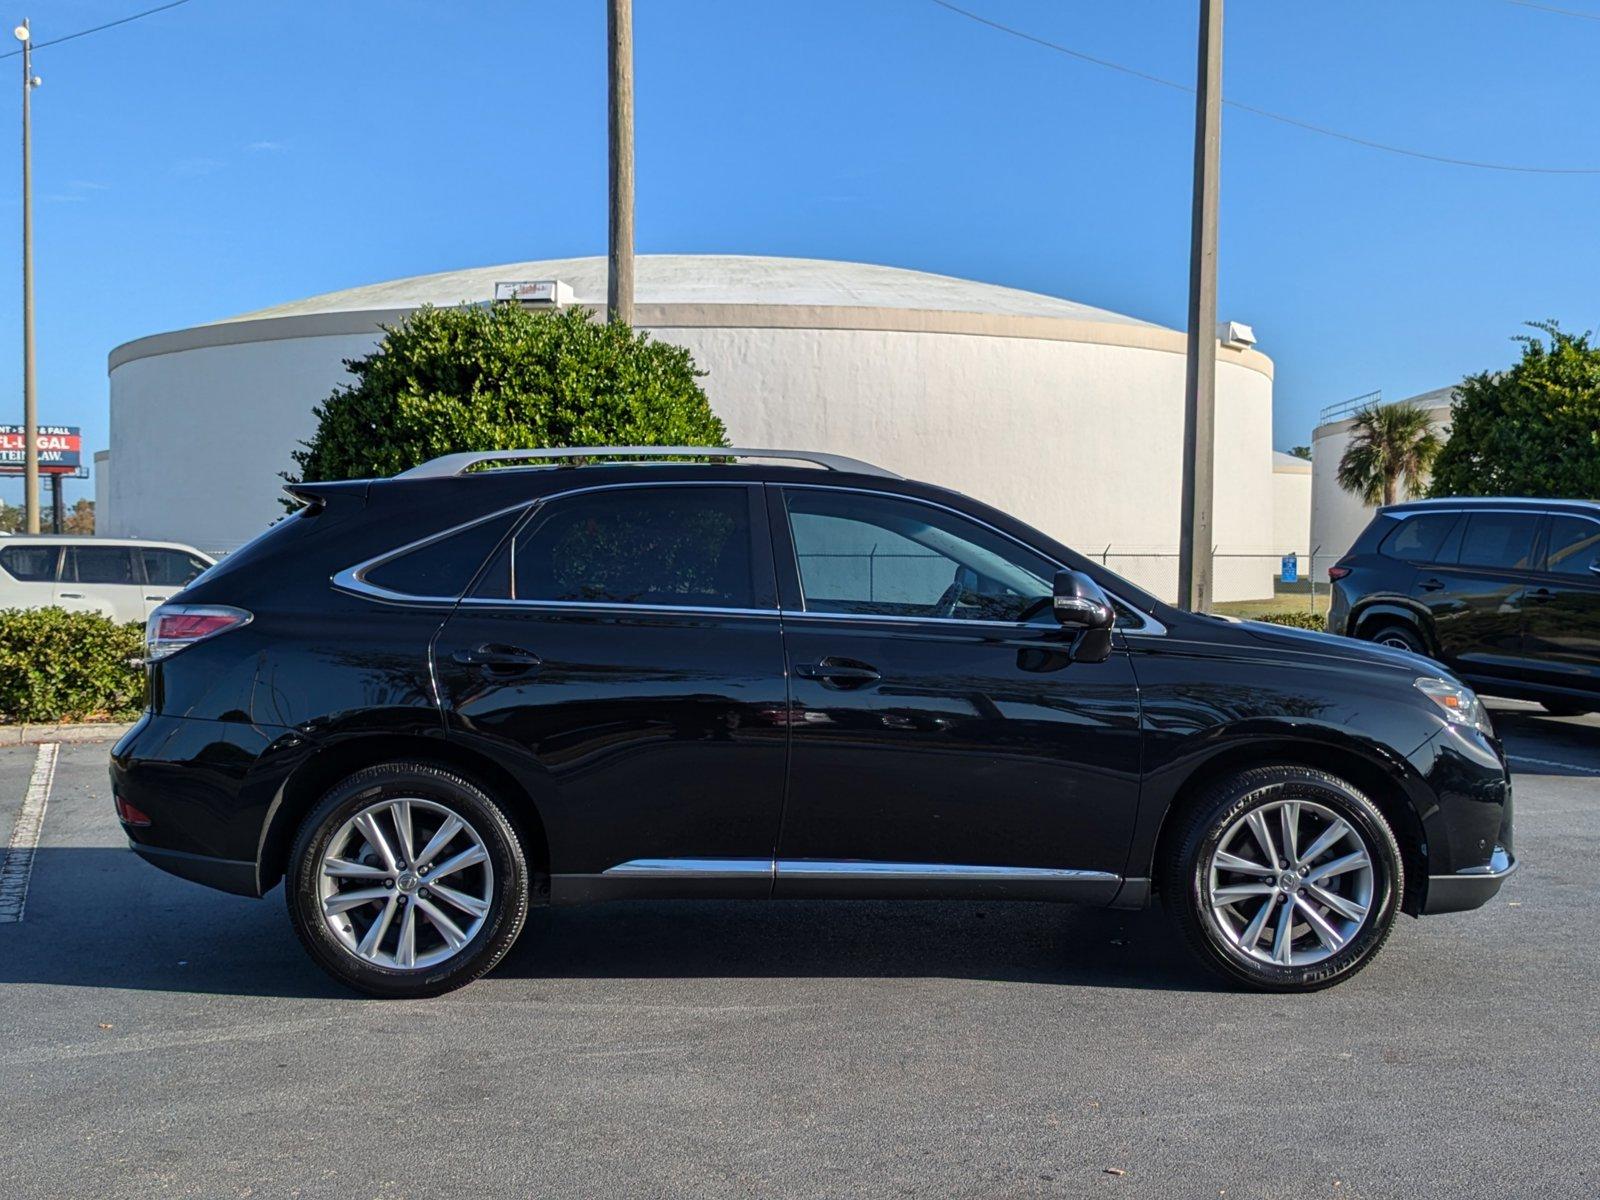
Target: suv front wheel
1284 878
407 880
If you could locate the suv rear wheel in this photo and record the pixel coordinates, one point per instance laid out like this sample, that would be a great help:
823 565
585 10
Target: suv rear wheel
407 880
1284 878
1401 637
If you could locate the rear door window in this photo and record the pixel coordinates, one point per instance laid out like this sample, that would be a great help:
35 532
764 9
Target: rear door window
30 564
1418 539
170 568
1500 540
98 564
1574 546
680 546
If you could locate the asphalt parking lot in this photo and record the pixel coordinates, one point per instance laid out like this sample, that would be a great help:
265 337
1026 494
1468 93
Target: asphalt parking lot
160 1039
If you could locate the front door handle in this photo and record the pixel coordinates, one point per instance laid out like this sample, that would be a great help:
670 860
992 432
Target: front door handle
839 672
1430 585
71 595
499 658
1541 595
155 597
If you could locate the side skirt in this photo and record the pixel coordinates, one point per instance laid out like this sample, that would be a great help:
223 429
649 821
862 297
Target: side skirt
752 878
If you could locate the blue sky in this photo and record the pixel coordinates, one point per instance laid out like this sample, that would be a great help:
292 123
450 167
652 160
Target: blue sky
231 154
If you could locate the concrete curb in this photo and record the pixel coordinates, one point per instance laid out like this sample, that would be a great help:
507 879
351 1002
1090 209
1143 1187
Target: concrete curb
88 731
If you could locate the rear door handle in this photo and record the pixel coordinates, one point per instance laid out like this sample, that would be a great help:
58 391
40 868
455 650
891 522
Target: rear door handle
496 657
1430 585
839 672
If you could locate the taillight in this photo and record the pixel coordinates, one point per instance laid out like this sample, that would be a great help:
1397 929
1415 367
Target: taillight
1338 572
131 814
174 626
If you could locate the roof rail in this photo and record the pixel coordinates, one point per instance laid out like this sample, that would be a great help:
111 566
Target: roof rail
448 465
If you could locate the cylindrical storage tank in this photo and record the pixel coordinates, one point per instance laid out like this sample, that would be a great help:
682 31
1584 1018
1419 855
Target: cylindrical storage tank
1070 417
1338 516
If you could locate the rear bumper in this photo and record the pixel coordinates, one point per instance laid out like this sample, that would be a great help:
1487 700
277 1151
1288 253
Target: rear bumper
226 874
1471 888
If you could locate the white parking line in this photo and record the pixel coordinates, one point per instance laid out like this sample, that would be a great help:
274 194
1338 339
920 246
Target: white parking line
1550 762
17 868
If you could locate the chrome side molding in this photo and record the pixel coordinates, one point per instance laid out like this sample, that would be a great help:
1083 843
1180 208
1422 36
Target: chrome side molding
810 868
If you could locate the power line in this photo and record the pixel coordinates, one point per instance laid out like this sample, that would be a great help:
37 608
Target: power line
1282 118
1550 8
149 12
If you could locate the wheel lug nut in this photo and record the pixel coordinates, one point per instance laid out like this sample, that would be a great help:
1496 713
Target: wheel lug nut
423 893
424 870
388 883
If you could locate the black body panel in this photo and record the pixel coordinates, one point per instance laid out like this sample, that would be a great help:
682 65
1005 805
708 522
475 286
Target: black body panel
694 749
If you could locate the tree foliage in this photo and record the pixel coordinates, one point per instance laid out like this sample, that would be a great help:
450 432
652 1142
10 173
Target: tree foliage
79 517
1533 430
1390 445
475 378
1301 452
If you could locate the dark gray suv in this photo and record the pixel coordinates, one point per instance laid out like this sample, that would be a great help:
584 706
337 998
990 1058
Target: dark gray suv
1505 592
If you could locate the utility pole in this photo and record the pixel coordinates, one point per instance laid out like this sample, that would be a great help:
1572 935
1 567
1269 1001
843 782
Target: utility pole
1200 384
619 36
30 408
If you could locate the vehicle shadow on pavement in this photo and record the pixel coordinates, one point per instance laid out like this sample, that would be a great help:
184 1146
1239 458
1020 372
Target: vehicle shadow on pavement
1025 942
96 918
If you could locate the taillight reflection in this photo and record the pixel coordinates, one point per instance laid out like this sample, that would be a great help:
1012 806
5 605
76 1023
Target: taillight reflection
1338 572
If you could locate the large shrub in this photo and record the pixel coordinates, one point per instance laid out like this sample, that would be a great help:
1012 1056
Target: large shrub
1533 430
505 377
67 666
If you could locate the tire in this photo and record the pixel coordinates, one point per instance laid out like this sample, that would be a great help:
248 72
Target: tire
490 894
1221 817
1565 708
1401 637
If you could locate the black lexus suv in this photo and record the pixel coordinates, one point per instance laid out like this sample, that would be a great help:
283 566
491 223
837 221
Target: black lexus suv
1506 593
428 702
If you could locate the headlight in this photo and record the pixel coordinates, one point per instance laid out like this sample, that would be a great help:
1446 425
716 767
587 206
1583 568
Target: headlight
1460 703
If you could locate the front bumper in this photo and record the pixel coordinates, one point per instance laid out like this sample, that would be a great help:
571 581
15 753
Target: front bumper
1471 888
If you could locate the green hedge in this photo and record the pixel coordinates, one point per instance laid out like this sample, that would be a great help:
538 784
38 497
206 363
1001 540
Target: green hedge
1300 620
67 666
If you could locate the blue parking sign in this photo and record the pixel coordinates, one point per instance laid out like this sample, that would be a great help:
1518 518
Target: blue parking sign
1291 568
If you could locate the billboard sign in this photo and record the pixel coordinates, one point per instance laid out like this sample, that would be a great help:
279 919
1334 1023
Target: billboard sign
60 449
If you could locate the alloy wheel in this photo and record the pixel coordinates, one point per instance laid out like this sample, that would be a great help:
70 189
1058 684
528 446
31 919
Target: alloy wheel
405 884
1290 883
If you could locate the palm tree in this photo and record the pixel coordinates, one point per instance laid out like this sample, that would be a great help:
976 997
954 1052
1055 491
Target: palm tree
1388 444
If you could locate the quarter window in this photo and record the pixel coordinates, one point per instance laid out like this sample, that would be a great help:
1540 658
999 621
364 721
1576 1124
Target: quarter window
1574 545
673 546
98 564
1417 539
1502 540
443 568
885 556
30 564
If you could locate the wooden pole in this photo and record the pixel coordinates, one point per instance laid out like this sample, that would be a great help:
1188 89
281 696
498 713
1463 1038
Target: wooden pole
1200 390
619 35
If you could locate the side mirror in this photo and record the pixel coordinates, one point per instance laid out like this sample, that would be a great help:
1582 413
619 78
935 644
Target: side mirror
1079 603
1082 609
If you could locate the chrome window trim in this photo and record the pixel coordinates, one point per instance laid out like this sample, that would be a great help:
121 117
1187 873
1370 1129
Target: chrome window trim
352 579
1150 627
843 869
